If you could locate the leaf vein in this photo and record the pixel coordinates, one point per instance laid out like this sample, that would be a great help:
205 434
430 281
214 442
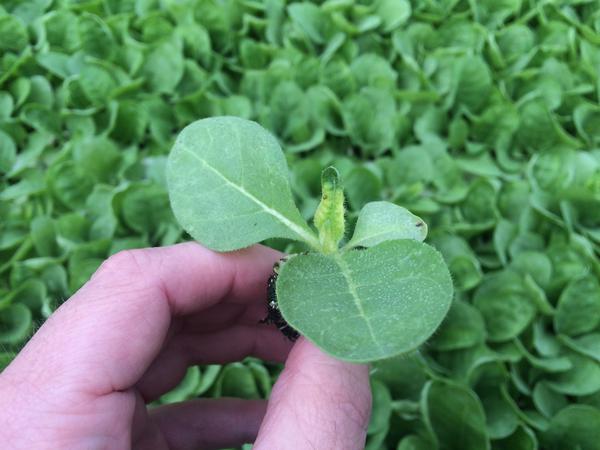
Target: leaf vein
357 301
297 229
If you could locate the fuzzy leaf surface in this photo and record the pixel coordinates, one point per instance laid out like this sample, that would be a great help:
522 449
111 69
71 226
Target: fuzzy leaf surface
384 221
228 185
365 305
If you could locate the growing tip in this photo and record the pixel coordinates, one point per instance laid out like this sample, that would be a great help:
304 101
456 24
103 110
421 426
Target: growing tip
330 177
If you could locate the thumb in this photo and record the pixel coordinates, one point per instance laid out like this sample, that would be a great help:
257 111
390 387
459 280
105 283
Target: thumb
318 402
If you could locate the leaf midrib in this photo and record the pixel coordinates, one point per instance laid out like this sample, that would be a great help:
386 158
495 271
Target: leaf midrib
345 270
304 234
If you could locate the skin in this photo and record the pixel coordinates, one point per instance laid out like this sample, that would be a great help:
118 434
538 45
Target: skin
128 335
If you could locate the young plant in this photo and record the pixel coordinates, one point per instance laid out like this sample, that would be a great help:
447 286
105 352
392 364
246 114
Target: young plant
381 294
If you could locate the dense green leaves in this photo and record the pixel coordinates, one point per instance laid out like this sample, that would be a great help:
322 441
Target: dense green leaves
13 33
462 328
578 309
369 117
454 416
575 426
15 323
505 304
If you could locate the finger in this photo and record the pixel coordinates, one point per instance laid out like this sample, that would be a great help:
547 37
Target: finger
209 423
318 402
186 350
225 314
109 332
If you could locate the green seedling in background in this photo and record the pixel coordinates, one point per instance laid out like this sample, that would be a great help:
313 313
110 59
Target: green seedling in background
381 294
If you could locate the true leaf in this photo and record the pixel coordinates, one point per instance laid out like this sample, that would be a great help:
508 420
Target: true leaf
329 216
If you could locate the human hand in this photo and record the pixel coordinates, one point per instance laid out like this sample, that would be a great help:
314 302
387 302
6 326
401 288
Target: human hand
128 336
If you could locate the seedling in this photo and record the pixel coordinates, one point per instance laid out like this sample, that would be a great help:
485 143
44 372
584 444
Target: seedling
381 294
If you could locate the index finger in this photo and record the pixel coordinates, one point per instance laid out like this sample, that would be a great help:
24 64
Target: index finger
109 332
